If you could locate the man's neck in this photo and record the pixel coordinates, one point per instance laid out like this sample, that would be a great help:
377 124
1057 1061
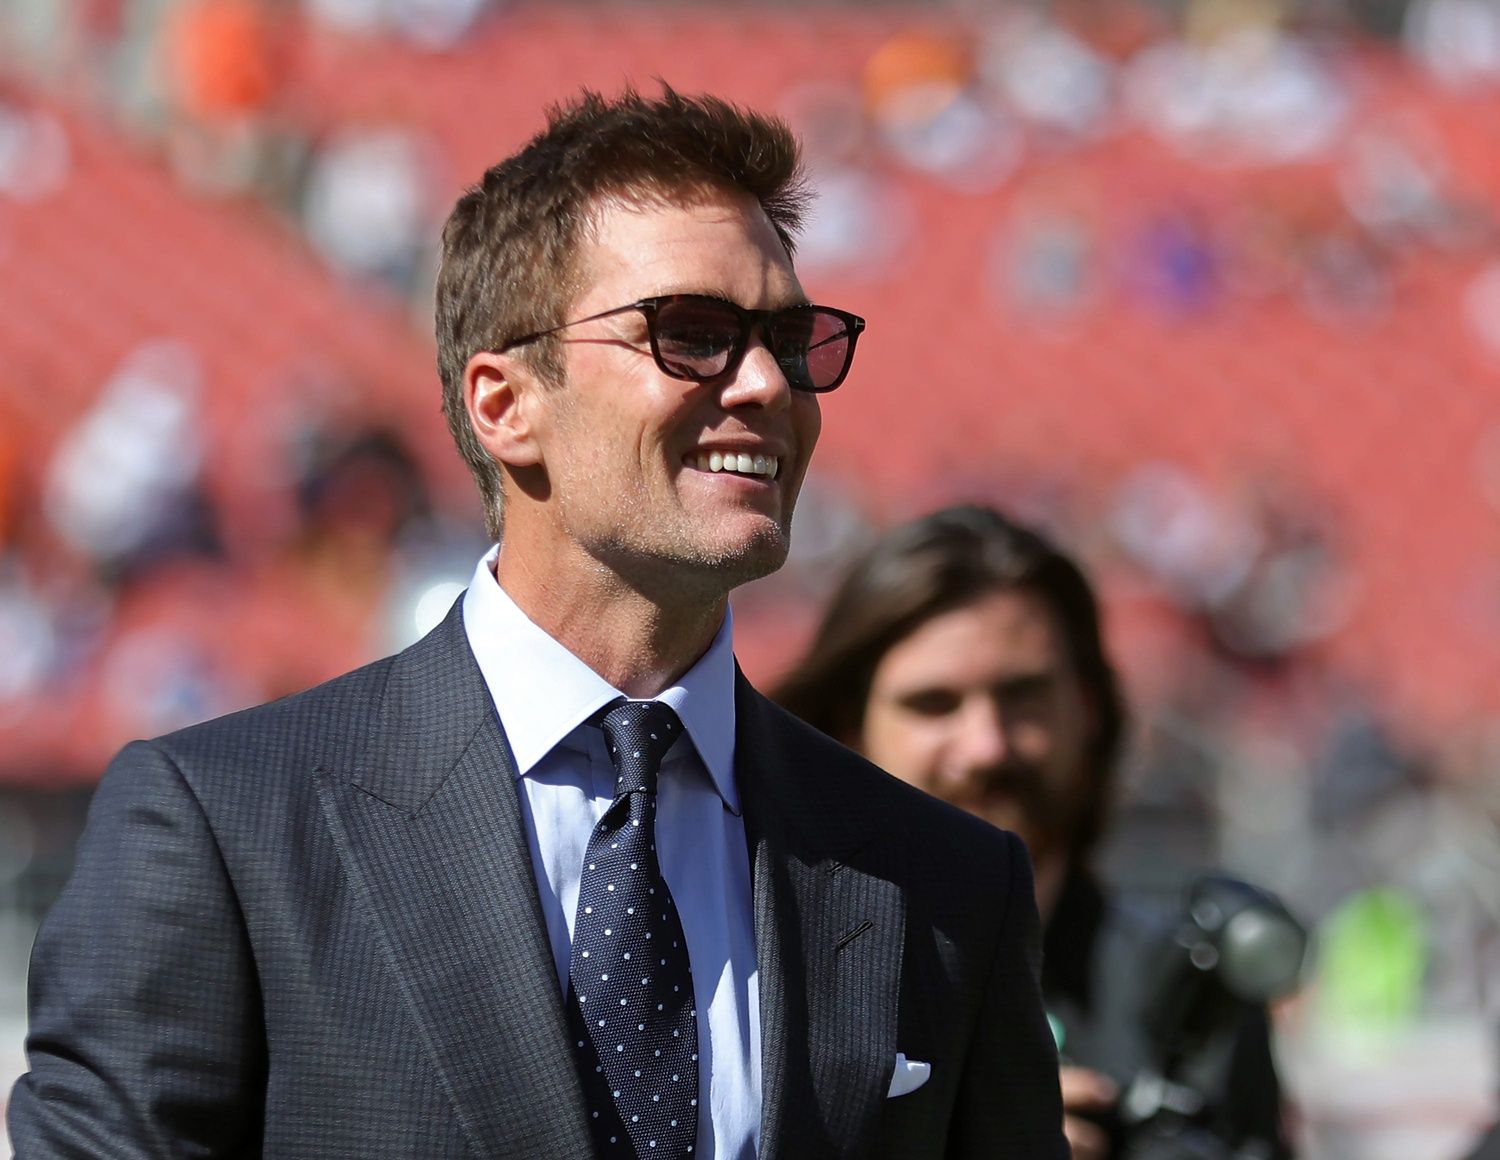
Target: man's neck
638 643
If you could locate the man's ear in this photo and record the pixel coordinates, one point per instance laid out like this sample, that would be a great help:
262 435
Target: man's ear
500 395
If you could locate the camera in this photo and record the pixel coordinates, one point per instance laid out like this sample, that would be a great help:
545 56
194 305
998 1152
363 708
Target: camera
1235 949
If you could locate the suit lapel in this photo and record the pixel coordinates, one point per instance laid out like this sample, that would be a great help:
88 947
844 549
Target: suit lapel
429 828
829 929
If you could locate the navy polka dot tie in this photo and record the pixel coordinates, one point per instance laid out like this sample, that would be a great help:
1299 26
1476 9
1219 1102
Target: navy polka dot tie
630 997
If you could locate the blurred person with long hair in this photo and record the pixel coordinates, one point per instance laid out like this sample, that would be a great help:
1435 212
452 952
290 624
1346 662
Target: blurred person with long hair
963 654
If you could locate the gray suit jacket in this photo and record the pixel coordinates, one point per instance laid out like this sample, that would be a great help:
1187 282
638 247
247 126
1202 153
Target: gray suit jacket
311 930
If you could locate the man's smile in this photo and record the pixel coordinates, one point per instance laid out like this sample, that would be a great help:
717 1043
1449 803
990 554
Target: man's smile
734 463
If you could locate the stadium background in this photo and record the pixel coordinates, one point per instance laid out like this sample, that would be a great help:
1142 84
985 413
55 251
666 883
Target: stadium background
1211 289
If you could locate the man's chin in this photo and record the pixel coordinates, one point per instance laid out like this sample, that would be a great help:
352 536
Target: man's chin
720 564
1008 818
1012 816
748 548
753 558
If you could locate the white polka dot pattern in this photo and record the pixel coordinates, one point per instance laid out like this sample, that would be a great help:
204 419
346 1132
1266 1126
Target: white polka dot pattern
636 1030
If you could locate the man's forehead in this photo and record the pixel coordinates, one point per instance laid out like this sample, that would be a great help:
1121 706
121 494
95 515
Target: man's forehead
1009 631
617 223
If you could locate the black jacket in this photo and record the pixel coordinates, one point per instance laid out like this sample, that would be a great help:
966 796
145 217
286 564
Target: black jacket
1099 970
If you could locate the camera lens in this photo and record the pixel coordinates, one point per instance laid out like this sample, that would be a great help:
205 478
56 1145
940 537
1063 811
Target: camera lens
1260 954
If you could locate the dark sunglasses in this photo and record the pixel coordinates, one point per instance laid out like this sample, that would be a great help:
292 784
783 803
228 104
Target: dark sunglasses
697 338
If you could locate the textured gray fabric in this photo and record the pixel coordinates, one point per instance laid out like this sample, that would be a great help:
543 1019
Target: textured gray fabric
889 921
311 930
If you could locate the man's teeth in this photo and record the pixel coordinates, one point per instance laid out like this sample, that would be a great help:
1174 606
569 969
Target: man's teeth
766 465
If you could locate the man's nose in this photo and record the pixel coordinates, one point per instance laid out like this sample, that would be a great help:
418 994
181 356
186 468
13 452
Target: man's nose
979 741
759 380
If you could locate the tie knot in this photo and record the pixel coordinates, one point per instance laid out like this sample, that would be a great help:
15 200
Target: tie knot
639 733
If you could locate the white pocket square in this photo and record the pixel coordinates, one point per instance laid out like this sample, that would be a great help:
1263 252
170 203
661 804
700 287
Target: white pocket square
910 1075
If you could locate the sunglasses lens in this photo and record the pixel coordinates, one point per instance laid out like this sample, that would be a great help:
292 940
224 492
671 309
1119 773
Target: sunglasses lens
696 337
699 338
813 346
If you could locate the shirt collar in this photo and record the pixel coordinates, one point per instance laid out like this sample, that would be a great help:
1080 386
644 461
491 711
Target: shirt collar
543 692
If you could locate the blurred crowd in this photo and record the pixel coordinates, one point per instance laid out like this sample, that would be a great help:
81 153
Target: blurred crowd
1252 751
965 101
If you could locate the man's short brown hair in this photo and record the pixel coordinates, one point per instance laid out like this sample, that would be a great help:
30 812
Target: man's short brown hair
511 245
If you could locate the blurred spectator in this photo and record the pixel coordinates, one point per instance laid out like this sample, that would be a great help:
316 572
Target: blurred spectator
921 94
368 200
1174 262
1257 567
1346 276
858 226
1053 80
1396 186
1250 93
1374 955
859 221
1429 839
122 487
27 642
1044 260
169 676
225 72
222 59
1458 40
1404 1005
963 654
1199 548
358 496
364 548
432 25
35 158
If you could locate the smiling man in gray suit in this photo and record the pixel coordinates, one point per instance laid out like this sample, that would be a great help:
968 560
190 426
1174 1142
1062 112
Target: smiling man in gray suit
434 908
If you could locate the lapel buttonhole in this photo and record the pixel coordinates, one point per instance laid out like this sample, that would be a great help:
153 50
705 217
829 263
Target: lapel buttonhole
850 936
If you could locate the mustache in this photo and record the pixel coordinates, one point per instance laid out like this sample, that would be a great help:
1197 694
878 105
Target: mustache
1017 778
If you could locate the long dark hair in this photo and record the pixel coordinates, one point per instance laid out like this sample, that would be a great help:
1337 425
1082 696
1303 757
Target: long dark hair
935 564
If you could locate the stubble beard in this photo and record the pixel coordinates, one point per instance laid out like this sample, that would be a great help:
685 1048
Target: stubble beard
687 569
670 560
1032 808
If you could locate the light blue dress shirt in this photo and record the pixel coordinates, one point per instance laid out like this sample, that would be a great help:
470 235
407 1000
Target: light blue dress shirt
544 695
